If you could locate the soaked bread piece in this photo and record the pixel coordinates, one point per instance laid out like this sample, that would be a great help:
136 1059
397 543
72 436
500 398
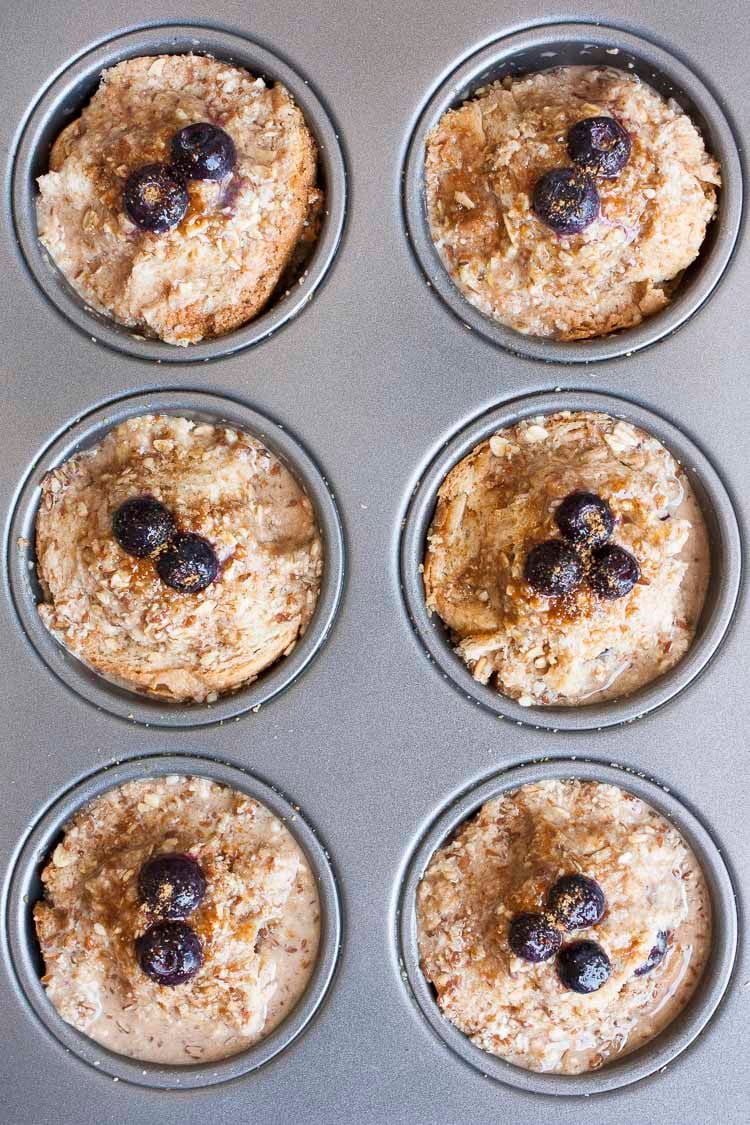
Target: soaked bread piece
258 923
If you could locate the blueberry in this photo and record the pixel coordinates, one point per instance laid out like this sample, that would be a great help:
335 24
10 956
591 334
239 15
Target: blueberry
172 885
155 197
583 517
577 902
533 937
566 200
655 956
583 966
203 152
614 572
169 952
600 145
553 568
188 564
142 525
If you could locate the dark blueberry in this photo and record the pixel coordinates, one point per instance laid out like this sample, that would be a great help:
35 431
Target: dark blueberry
155 197
566 200
655 956
172 885
600 145
583 966
142 525
614 572
188 564
203 152
169 952
583 517
553 568
533 937
577 902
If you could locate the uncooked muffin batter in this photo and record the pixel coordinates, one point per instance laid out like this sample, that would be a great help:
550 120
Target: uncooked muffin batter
655 930
502 500
216 267
118 615
258 923
483 161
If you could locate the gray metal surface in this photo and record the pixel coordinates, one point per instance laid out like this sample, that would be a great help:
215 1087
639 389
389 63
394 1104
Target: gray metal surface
373 376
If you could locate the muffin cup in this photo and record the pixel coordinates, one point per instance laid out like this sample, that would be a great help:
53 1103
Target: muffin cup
26 593
25 959
678 1035
724 582
67 94
567 44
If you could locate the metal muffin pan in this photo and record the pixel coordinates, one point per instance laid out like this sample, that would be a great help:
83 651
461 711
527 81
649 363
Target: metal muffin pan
375 379
64 98
26 592
26 889
724 540
677 1035
570 44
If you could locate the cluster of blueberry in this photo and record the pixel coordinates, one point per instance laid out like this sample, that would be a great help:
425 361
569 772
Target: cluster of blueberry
171 887
557 567
574 903
144 528
566 199
156 196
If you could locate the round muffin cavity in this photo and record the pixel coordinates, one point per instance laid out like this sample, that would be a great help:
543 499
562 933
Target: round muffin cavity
502 864
230 497
243 235
499 504
484 160
256 927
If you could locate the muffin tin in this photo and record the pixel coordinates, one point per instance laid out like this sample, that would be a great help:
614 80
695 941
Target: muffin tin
27 889
678 1034
724 543
574 44
27 595
63 99
380 383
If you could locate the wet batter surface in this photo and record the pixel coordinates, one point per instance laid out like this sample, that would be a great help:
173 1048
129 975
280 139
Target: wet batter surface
501 500
259 922
483 160
503 862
